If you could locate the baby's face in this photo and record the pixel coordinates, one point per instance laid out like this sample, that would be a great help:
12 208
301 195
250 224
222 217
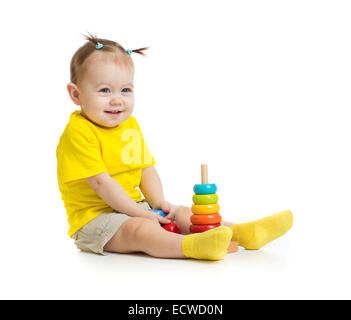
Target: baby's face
106 91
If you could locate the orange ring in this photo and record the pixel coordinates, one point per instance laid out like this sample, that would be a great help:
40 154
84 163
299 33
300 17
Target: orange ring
205 218
205 208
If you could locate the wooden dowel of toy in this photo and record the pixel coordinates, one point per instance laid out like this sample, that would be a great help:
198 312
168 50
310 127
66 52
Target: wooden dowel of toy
204 174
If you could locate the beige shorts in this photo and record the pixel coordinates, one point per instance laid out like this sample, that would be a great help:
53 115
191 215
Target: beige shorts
95 234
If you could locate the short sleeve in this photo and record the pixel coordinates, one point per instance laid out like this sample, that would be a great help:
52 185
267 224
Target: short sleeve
80 154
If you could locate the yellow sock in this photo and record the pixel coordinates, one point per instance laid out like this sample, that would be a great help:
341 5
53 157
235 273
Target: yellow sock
208 245
256 234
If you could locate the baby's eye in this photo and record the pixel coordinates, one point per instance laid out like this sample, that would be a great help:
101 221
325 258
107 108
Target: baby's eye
126 90
105 90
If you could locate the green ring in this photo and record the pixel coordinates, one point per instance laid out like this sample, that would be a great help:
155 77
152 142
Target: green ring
205 198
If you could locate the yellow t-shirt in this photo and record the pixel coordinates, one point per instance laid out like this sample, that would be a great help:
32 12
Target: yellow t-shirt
85 150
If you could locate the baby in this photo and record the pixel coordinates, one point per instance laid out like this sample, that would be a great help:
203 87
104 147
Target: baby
104 168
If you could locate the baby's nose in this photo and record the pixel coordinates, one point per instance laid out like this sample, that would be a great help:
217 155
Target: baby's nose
116 101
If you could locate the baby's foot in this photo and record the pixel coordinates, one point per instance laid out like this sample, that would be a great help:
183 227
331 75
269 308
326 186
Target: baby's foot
256 234
209 245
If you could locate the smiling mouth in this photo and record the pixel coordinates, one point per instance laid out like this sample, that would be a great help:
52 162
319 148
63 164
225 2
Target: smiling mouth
113 112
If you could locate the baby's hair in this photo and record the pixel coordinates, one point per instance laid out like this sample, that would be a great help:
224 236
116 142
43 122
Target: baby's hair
91 46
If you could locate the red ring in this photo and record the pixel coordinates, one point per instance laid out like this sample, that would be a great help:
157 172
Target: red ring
196 228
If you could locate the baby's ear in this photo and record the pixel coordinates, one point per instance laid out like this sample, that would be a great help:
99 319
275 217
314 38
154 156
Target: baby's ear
73 93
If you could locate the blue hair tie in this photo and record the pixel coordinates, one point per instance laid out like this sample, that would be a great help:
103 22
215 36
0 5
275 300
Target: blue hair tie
99 45
129 52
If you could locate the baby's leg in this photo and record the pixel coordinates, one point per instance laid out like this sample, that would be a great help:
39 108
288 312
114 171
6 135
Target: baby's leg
144 235
252 235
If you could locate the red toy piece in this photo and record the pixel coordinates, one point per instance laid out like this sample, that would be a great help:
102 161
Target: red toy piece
195 228
172 227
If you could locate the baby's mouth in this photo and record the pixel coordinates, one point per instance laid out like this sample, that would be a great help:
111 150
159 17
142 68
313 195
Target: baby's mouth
114 112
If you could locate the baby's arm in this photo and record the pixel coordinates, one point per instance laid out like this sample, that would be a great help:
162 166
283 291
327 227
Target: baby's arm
114 195
151 187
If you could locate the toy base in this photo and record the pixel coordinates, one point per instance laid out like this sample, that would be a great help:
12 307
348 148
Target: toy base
233 246
196 228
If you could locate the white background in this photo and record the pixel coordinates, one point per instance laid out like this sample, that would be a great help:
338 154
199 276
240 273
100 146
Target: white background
259 90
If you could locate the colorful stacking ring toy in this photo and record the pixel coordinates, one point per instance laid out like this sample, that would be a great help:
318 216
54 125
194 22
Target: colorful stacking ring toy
205 198
196 228
205 208
205 218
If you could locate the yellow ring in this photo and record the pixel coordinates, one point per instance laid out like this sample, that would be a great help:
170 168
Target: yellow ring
205 208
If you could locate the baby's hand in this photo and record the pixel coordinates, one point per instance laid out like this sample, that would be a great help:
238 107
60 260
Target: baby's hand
157 218
169 208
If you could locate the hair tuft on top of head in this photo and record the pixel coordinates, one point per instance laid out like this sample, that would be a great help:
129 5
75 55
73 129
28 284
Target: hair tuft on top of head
92 38
77 61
